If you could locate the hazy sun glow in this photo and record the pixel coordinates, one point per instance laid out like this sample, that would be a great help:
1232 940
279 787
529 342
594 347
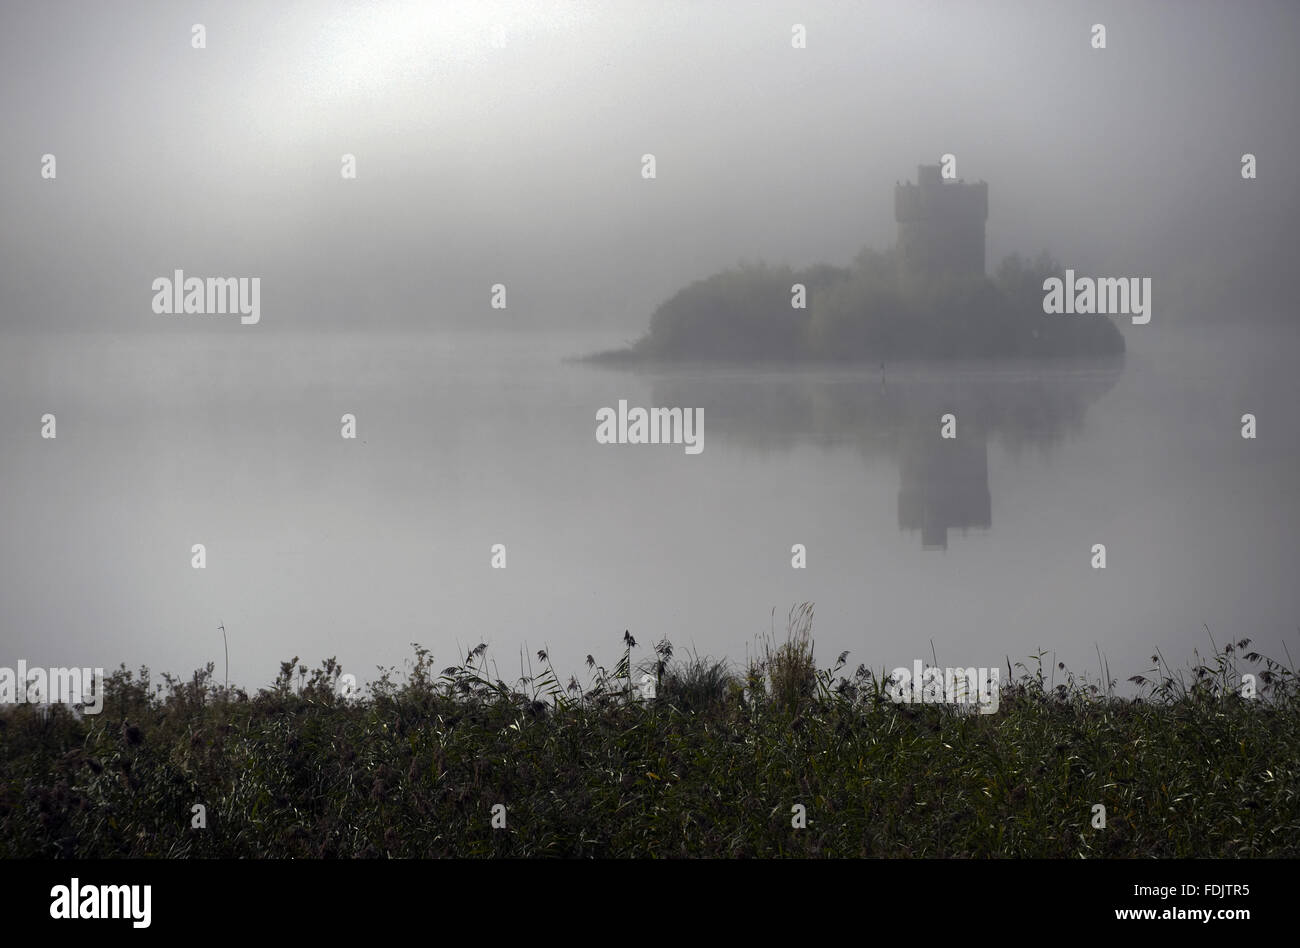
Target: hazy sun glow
364 50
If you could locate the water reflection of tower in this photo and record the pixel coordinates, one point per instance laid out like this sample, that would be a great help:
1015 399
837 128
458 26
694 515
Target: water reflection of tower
944 482
944 485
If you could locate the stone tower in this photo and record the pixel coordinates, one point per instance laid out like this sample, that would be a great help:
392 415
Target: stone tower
940 226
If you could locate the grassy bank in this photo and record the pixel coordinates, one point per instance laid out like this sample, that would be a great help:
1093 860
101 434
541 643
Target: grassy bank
711 766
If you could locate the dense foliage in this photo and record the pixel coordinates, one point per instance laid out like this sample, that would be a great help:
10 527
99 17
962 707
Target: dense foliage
864 313
711 766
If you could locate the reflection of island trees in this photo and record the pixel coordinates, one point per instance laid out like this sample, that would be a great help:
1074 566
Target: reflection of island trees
896 413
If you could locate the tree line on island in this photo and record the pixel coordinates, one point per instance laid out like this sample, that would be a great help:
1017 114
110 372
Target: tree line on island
865 312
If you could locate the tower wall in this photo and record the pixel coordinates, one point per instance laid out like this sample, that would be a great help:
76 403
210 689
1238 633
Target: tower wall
940 226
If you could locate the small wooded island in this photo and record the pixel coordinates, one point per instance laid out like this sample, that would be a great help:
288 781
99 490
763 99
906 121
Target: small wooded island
928 297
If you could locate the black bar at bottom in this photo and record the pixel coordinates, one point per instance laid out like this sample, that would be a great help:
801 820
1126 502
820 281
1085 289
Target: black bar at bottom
332 898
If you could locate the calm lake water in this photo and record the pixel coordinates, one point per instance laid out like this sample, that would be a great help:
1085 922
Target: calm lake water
979 547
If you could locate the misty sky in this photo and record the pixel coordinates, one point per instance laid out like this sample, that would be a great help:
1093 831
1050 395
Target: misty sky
521 165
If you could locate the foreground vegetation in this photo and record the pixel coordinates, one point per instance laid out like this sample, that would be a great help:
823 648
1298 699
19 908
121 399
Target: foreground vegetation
864 312
711 766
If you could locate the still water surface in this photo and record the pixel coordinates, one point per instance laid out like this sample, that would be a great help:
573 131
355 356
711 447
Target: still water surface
979 547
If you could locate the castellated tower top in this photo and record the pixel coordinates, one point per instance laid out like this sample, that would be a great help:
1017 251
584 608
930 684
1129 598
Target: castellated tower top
940 226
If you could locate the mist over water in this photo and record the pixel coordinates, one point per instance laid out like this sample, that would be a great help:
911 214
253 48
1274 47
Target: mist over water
504 144
318 546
